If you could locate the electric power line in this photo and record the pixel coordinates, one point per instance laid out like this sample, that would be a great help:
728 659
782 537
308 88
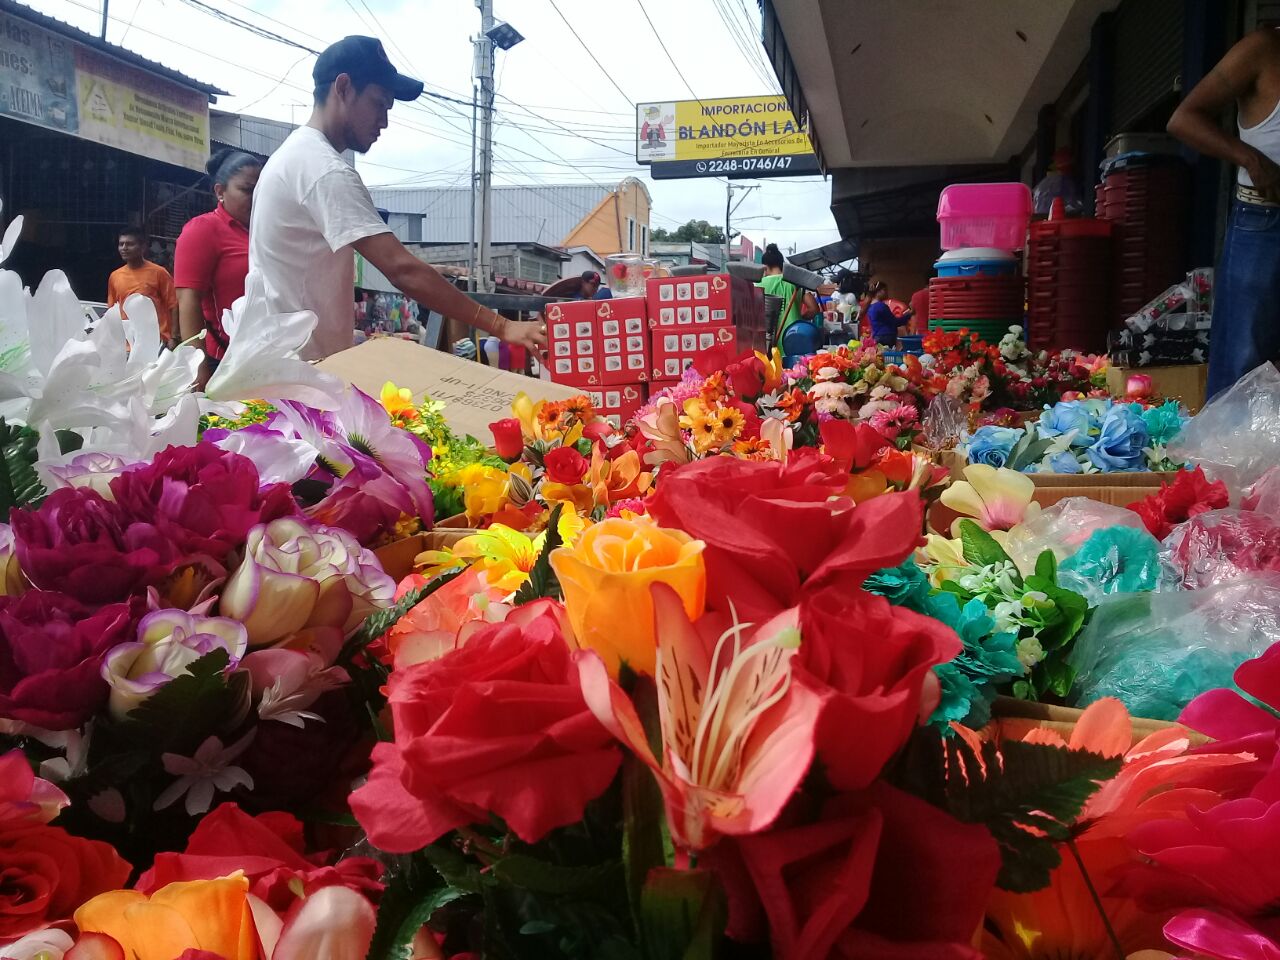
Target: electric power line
688 86
584 46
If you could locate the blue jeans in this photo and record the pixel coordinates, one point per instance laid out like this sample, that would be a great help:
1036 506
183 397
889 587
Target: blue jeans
1246 301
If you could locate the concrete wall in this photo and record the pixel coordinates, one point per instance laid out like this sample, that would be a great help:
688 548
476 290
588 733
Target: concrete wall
904 265
618 224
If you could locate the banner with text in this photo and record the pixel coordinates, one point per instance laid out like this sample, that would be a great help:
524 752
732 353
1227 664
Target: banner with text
737 136
53 82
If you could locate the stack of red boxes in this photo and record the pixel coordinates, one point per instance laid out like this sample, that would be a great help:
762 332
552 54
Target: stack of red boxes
1147 202
691 315
1069 284
618 404
573 354
624 340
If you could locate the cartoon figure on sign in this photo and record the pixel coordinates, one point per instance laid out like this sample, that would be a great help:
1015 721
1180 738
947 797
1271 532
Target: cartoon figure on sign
652 131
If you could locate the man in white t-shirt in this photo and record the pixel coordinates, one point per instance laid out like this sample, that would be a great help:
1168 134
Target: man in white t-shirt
311 210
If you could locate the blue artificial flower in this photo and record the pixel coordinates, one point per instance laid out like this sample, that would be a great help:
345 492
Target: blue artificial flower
1064 462
992 445
1065 416
1121 440
1118 560
1164 422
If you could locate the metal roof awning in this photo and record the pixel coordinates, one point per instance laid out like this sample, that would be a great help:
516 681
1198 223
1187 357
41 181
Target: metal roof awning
820 258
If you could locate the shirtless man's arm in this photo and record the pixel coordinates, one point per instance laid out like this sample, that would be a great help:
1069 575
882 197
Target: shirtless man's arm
1249 75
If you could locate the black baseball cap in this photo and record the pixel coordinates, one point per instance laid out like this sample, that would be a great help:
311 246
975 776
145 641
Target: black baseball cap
362 58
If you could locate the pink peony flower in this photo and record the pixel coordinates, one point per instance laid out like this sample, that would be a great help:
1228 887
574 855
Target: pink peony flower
51 649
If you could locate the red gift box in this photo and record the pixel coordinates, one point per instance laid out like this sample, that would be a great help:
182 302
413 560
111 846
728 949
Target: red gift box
624 340
675 350
705 301
573 343
618 403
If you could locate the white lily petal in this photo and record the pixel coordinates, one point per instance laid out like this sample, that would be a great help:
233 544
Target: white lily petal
11 234
262 363
142 329
15 347
54 318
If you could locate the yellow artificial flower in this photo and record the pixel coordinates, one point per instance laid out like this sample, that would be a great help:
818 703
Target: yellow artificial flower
485 489
997 498
607 577
505 556
398 401
773 369
578 496
945 556
694 411
529 414
729 422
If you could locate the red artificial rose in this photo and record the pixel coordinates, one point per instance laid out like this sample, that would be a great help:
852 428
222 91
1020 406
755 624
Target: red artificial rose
81 544
46 873
202 499
508 438
499 727
880 875
1189 495
51 650
854 446
566 465
873 661
269 848
774 531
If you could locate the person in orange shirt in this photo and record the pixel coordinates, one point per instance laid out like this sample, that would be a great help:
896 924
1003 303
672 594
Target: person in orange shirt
140 275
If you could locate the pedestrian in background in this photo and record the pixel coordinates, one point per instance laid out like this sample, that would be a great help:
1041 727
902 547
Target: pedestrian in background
139 275
212 258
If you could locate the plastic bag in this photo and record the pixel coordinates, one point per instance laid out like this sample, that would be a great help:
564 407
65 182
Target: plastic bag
1220 545
1063 528
1264 495
1236 437
1158 651
1113 560
944 421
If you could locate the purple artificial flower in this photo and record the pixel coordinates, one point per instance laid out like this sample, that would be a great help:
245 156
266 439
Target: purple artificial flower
51 651
169 641
95 470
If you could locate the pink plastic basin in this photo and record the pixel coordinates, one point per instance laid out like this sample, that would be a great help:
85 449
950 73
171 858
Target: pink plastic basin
985 215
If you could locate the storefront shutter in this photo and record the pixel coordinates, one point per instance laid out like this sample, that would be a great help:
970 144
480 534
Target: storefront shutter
1148 58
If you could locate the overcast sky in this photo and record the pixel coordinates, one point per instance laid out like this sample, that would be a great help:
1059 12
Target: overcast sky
550 77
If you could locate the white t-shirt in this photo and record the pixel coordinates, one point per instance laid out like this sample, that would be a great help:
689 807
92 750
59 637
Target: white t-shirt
308 208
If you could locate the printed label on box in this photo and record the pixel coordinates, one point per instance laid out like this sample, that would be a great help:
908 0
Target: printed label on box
586 365
683 291
614 420
635 344
563 348
612 399
564 366
701 290
720 316
609 328
634 325
667 292
667 316
613 345
612 364
684 316
689 341
671 343
585 347
701 314
560 331
672 367
583 329
635 361
598 399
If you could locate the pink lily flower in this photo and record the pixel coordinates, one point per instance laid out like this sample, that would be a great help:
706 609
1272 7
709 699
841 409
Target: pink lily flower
737 726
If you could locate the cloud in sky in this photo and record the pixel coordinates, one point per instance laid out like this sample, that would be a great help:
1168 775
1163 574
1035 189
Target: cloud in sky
547 86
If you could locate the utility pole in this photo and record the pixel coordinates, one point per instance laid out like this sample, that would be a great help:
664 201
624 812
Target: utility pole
105 6
729 208
484 79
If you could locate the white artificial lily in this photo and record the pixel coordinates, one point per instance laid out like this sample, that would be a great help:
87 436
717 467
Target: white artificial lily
10 238
262 361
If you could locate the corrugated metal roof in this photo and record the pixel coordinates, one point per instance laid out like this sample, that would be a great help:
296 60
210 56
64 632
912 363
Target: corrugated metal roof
255 134
521 214
55 25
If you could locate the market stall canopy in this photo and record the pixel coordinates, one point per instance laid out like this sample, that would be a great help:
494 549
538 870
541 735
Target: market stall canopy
474 395
927 82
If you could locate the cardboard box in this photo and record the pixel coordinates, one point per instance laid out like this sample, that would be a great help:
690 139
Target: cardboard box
397 558
618 404
1185 383
573 343
705 301
624 341
474 395
674 351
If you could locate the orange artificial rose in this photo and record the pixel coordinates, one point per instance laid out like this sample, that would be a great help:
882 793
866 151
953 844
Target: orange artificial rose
212 915
607 576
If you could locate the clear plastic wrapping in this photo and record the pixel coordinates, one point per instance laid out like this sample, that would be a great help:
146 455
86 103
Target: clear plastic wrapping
1064 528
1220 545
1236 437
1156 652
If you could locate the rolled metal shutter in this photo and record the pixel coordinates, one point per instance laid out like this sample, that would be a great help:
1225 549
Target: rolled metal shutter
1148 58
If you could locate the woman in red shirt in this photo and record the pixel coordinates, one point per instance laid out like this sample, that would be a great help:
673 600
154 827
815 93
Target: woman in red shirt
212 257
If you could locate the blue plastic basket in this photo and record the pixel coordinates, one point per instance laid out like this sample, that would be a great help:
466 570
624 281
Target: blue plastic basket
912 343
977 268
894 356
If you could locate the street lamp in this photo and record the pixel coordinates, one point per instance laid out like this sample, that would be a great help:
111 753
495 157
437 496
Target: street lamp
503 35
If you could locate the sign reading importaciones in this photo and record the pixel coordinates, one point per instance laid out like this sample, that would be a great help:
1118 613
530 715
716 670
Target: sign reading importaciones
737 136
57 83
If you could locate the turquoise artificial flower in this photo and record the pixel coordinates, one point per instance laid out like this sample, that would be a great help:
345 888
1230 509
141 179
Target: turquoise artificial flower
992 445
1064 417
903 586
1118 560
987 660
1164 422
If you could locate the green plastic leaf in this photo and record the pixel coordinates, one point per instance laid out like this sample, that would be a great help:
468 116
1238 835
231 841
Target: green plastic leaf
979 547
1030 449
538 876
19 484
683 915
643 822
406 904
1047 565
180 715
1027 794
542 580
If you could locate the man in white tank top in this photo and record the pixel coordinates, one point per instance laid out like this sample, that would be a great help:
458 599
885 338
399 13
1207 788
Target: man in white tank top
1246 311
